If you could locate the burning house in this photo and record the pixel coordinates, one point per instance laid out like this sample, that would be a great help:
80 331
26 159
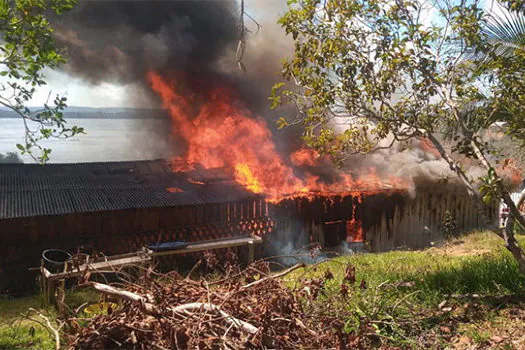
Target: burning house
119 207
175 57
381 220
311 200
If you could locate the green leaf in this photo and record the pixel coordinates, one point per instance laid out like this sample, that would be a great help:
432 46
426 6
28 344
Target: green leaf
27 49
282 123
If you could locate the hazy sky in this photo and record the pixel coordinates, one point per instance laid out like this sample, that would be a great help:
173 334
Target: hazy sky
81 93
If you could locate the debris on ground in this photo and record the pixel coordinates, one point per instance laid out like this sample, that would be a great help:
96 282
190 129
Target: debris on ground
248 309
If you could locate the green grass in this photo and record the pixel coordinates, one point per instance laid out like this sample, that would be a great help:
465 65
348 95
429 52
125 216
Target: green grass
480 266
22 334
405 289
18 332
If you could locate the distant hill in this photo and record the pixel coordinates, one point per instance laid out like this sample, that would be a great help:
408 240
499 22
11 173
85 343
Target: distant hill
74 112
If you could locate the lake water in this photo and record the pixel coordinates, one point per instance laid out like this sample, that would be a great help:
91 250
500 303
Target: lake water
105 140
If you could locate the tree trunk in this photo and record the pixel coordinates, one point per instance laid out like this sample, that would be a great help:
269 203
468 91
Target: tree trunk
454 166
508 233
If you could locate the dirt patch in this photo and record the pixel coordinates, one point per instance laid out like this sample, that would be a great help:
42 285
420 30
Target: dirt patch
460 248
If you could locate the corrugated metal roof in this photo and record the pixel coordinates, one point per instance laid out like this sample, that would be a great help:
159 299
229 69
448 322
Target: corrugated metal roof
54 189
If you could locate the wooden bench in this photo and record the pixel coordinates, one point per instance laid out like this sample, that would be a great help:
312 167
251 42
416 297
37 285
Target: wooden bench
221 243
54 283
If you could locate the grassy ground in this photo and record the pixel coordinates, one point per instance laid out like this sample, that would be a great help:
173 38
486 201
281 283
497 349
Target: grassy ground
17 331
467 294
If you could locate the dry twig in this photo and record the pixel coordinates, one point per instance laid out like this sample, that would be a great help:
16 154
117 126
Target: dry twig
47 325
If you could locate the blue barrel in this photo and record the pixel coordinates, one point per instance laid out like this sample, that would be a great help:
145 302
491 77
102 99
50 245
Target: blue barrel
55 259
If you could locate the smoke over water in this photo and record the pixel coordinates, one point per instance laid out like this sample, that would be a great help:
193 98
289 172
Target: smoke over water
121 41
181 55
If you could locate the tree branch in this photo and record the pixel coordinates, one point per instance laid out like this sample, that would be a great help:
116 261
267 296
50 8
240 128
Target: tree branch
150 308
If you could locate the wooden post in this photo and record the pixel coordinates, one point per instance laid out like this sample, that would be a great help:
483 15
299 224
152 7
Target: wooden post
43 288
143 267
48 286
61 297
251 252
50 292
43 282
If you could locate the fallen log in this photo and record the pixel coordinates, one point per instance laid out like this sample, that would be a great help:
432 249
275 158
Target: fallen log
150 308
129 296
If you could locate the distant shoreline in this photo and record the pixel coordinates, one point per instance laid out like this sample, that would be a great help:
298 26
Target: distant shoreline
98 113
97 117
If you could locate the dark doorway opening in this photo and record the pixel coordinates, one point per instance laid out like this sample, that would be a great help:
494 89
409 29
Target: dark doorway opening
334 233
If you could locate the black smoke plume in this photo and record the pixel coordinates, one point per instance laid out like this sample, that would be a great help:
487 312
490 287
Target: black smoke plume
120 41
193 41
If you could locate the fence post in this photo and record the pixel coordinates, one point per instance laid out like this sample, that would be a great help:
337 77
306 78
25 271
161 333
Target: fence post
251 252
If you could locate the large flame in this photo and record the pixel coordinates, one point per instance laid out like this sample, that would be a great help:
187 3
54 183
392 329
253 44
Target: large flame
220 132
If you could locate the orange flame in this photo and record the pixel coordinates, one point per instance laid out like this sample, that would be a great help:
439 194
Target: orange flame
354 229
220 132
304 157
244 175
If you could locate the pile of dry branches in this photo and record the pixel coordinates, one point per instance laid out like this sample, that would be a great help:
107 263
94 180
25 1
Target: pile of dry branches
246 309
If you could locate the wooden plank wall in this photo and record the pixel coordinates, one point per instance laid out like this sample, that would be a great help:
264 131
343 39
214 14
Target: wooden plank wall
419 220
390 219
307 217
114 232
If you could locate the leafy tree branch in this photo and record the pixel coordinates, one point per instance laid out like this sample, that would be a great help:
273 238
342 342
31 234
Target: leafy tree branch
26 48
